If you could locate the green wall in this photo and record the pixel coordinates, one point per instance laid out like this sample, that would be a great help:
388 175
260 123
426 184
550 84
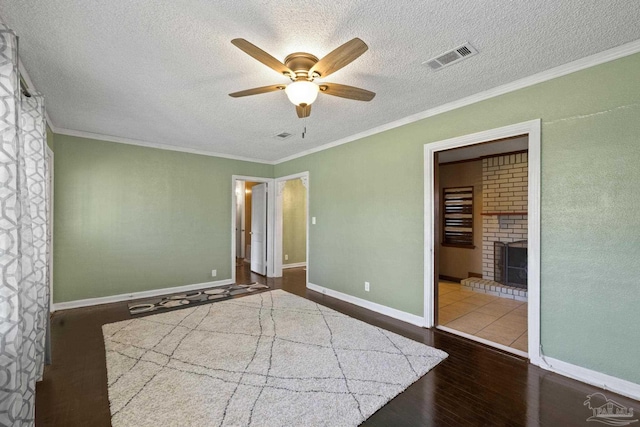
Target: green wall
294 222
368 199
129 218
50 137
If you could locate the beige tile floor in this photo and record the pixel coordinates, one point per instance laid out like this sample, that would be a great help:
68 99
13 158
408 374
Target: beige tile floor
501 320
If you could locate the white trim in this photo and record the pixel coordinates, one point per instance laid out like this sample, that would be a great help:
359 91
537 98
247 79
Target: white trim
369 305
243 219
51 212
278 266
294 265
533 242
48 119
136 295
130 141
484 341
598 379
270 221
532 129
562 70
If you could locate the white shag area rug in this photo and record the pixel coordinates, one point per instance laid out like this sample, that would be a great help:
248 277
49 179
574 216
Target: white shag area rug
271 359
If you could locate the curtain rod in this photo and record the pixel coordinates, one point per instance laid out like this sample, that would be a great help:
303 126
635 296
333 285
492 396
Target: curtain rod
24 88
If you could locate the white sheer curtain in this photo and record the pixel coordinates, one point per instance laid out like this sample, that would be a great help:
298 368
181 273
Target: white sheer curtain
24 241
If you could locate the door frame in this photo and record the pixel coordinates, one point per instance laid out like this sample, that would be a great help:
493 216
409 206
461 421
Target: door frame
532 129
270 220
279 185
51 187
240 216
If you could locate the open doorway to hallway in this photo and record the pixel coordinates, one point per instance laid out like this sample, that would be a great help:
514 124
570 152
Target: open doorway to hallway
481 252
250 226
292 223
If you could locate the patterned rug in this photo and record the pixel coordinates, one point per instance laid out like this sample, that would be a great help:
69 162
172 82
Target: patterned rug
186 299
270 359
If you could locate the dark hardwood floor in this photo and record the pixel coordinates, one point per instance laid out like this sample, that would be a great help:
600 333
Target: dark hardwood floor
475 386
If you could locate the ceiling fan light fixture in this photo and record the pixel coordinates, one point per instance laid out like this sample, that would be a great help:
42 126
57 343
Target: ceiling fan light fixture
302 92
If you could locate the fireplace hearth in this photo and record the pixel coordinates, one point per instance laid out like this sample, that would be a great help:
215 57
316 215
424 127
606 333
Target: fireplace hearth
510 263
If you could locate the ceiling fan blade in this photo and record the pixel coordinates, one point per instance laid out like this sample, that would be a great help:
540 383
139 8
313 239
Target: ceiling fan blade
257 91
348 92
303 111
262 56
339 57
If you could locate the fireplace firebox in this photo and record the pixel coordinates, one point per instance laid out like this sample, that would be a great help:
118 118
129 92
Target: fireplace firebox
510 263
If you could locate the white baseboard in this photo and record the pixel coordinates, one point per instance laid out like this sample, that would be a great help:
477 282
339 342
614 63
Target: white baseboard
378 308
598 379
294 265
135 295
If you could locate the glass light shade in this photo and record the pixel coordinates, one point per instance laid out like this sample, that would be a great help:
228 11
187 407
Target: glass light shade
302 92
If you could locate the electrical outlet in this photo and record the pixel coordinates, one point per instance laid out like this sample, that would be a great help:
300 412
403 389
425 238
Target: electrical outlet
366 286
214 273
313 220
286 257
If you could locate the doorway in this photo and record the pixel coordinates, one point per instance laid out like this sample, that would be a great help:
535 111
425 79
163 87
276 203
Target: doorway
252 225
462 248
292 223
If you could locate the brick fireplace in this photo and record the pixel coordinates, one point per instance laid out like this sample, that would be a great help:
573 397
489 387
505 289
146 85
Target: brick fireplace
504 219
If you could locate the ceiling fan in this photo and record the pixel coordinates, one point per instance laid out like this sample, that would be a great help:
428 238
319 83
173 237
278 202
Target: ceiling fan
303 68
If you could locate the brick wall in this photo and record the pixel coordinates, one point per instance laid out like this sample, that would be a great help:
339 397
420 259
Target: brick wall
504 189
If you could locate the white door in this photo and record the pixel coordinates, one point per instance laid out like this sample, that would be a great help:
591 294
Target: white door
259 229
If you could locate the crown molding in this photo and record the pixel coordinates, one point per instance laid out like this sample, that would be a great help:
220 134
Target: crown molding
130 141
562 70
552 73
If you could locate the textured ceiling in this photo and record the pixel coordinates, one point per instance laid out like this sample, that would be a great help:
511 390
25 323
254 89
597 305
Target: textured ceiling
160 71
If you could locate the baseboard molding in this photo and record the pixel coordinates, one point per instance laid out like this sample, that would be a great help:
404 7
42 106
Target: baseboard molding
294 265
378 308
136 295
484 341
598 379
449 278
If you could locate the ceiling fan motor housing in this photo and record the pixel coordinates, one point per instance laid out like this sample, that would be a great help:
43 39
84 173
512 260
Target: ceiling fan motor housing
300 63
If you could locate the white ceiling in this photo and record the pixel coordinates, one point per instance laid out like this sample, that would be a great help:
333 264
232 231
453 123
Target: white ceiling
160 71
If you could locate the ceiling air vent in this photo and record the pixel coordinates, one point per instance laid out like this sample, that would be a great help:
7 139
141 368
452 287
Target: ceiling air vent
283 135
451 57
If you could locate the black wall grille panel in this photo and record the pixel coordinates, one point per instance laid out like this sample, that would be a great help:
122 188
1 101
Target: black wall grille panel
458 216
